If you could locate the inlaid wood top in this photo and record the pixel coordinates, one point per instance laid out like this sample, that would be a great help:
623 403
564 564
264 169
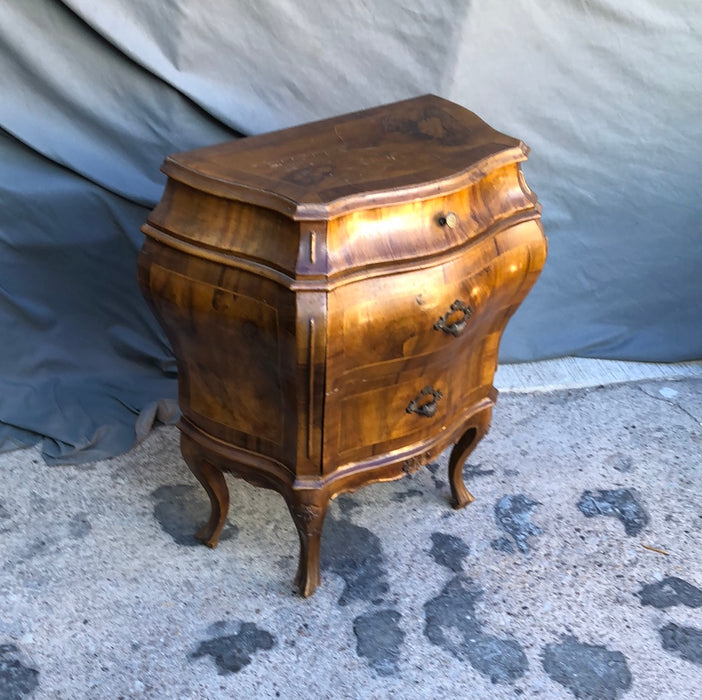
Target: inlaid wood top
400 152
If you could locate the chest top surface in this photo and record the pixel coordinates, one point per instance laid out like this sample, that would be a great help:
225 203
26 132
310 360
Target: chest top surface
408 150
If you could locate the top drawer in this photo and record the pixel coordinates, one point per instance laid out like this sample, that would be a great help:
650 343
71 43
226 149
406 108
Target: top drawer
376 238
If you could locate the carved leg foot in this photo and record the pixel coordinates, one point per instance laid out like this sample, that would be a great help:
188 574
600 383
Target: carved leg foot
308 513
477 428
214 484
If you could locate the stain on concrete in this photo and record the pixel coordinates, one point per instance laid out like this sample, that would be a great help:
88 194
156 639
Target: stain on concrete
620 462
471 470
587 670
40 546
448 551
232 652
181 509
618 503
17 680
4 513
502 544
685 642
451 624
347 504
79 526
378 640
433 469
39 503
513 515
402 496
669 592
502 660
355 554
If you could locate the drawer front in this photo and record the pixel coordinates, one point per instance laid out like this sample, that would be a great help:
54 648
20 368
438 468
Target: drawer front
408 315
380 323
414 405
407 408
430 227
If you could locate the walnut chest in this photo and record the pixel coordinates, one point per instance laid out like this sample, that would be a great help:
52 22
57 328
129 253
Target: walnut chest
335 294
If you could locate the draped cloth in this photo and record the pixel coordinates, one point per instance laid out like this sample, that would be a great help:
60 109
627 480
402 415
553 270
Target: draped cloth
607 93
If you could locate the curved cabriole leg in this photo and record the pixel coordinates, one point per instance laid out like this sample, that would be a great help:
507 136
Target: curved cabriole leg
477 428
214 484
308 514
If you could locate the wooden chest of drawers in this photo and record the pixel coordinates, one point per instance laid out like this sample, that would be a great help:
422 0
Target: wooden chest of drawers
335 294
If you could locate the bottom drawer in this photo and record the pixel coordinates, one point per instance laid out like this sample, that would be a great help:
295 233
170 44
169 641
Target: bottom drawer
404 408
416 406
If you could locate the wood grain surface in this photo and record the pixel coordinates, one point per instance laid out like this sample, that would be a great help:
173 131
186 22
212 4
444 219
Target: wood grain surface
412 149
335 295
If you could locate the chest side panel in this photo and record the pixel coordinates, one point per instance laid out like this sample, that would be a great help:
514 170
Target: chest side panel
225 228
233 333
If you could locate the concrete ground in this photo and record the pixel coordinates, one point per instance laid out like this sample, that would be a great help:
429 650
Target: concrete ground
577 571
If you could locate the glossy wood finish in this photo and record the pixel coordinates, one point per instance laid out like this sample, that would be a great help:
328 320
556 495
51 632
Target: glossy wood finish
335 295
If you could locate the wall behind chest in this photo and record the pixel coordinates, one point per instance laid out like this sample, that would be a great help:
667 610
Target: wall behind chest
94 95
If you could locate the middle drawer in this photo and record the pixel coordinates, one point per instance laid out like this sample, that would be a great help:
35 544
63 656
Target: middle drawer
382 323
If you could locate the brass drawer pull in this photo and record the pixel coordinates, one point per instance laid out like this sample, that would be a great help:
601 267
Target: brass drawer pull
454 321
449 219
425 403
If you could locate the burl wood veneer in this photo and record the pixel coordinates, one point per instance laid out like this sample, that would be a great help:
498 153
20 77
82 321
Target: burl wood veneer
335 294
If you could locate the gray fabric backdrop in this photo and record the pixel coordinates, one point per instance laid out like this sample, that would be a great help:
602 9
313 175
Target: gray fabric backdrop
93 95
